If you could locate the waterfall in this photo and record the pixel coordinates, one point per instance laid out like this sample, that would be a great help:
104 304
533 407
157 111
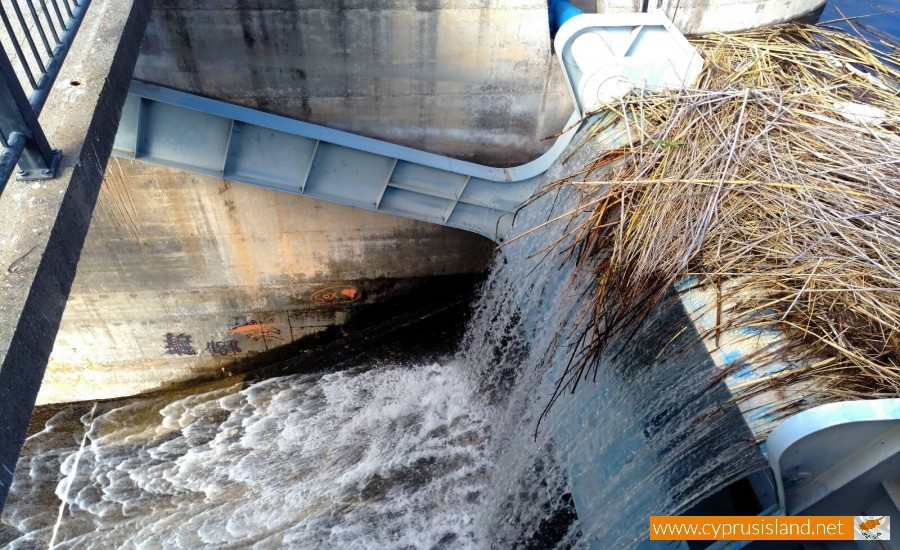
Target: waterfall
430 456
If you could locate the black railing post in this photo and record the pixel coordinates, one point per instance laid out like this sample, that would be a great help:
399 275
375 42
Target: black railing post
38 161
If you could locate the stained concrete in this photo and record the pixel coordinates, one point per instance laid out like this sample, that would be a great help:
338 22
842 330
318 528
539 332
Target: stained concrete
705 16
474 79
186 277
44 224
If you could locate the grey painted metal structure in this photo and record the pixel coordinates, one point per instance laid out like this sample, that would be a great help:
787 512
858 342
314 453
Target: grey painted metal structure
197 134
20 132
839 459
607 56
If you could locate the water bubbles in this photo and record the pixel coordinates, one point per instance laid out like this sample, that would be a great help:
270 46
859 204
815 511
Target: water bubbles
368 458
418 456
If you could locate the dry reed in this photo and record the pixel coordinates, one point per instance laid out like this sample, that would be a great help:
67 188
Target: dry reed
762 182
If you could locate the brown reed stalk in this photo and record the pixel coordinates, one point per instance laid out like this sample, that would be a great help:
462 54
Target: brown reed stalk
760 181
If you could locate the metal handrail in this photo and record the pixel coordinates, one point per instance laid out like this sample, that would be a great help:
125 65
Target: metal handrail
55 22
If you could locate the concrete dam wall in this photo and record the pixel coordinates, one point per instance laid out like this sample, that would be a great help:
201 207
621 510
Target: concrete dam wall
186 277
472 79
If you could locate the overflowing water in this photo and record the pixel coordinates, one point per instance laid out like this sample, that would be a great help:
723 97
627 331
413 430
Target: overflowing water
443 455
424 456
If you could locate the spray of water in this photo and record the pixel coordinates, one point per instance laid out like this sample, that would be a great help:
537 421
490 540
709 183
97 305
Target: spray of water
425 456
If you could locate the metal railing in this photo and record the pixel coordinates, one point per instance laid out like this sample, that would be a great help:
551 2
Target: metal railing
40 35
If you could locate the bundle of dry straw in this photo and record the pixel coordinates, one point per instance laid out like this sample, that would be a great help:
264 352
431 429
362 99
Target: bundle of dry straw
776 179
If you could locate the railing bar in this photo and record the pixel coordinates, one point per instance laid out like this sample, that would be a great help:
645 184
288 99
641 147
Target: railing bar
49 19
10 156
17 113
39 96
62 23
66 7
28 37
37 23
15 43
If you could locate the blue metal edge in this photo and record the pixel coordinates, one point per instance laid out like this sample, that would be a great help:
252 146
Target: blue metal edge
304 129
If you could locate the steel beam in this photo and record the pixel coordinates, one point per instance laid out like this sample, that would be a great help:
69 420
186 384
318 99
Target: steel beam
181 130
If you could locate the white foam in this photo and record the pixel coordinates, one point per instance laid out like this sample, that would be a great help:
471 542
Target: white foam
357 459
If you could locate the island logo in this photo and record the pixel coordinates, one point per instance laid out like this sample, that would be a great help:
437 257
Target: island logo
872 527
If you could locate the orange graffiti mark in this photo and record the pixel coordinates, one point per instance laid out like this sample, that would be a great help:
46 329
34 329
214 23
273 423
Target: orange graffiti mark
258 331
336 294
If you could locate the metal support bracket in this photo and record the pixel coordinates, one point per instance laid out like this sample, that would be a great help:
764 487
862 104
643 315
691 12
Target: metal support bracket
838 459
17 118
606 56
41 171
20 130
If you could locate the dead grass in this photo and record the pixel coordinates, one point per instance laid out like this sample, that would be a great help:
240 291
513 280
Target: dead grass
757 181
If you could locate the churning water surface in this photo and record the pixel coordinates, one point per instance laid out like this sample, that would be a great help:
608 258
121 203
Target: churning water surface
415 455
425 456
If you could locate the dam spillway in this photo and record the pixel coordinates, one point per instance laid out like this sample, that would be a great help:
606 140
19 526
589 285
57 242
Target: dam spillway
261 324
406 453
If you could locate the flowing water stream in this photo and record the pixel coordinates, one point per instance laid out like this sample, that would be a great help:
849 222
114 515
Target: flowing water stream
434 455
423 455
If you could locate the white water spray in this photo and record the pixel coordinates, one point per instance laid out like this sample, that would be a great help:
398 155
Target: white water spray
417 456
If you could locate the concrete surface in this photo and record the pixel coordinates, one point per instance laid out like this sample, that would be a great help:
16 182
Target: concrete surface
44 224
705 16
473 79
186 277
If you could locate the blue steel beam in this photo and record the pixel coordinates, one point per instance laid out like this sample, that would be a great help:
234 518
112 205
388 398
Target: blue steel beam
181 130
202 135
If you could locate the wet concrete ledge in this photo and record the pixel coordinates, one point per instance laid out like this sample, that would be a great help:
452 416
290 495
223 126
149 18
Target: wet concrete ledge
45 223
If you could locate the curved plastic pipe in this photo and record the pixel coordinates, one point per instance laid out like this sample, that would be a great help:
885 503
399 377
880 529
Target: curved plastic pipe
560 12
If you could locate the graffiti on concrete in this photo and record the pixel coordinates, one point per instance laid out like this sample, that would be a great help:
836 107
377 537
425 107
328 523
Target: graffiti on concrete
259 331
336 294
223 347
179 344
